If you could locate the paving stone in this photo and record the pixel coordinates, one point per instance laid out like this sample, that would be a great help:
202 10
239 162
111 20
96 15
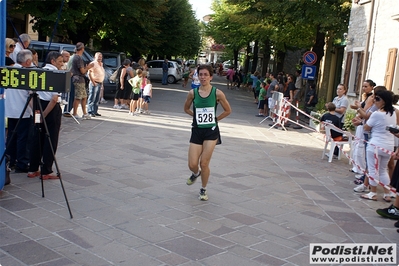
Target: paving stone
16 204
9 236
218 241
83 238
59 262
269 260
81 256
190 248
172 259
242 218
148 231
30 252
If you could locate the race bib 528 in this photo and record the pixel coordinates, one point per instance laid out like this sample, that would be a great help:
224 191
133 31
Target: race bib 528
205 116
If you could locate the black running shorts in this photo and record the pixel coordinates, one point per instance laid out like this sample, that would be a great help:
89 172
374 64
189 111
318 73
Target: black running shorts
199 135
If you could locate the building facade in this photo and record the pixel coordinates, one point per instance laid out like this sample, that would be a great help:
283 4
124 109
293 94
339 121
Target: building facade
372 44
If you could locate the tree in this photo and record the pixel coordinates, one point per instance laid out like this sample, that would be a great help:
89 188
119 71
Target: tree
133 26
179 31
299 24
227 27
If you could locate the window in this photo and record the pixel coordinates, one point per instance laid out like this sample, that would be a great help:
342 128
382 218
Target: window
353 71
390 69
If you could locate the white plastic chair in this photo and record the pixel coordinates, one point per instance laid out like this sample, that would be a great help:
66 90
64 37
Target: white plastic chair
334 144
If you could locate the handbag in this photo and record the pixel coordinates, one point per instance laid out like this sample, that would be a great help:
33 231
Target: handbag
113 76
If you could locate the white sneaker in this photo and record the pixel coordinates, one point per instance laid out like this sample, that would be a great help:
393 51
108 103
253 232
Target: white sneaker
117 107
147 112
103 101
358 176
86 117
392 195
361 188
124 106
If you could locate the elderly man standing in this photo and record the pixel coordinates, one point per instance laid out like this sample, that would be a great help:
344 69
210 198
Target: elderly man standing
44 146
14 104
78 70
23 43
96 75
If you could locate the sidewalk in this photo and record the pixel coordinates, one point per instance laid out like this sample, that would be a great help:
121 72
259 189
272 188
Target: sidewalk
270 194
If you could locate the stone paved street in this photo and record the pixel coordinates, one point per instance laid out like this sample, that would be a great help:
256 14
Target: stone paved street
270 194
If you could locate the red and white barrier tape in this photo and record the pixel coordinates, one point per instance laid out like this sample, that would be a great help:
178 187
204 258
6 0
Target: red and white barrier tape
376 148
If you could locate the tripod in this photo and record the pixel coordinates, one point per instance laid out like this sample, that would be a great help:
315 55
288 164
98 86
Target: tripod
38 118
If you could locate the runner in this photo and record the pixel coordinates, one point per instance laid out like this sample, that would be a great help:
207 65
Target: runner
205 131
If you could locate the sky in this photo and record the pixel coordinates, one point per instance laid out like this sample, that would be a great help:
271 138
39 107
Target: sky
201 7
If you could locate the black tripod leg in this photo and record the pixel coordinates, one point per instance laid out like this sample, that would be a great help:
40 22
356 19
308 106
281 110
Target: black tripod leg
47 134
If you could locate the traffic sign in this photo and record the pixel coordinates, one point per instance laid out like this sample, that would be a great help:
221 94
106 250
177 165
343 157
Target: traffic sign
309 58
309 72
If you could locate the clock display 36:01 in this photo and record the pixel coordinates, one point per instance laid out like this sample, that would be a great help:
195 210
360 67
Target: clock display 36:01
33 80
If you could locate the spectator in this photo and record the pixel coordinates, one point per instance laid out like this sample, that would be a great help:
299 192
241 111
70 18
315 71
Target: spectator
120 85
10 46
377 124
136 85
363 115
79 70
35 60
195 83
23 43
311 98
96 75
15 102
65 58
358 145
255 78
331 118
42 149
291 88
262 102
165 71
147 95
126 74
298 85
341 102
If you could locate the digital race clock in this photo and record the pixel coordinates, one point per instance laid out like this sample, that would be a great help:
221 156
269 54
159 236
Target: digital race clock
35 79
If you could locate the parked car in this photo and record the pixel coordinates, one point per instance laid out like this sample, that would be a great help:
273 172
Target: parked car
42 49
113 59
155 70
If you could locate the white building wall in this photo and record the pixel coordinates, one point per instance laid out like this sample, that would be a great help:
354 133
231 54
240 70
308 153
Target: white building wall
384 35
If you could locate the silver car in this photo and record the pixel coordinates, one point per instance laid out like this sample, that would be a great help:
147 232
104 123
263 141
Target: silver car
155 70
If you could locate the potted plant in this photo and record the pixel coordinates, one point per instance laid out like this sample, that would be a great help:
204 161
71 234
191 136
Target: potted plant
317 113
348 125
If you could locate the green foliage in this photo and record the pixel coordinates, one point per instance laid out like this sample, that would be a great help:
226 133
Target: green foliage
134 26
321 106
348 125
283 25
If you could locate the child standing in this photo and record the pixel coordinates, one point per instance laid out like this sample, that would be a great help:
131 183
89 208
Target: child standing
147 94
136 85
141 96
